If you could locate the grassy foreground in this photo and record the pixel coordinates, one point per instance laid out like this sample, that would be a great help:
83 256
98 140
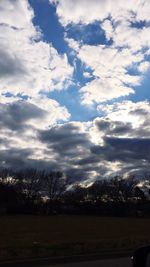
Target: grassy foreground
32 236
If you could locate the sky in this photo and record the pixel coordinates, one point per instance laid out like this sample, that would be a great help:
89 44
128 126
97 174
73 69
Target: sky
74 86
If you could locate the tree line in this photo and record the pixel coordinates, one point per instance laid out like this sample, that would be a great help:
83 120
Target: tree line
32 191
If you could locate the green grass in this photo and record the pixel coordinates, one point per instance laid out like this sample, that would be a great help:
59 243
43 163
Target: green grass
78 233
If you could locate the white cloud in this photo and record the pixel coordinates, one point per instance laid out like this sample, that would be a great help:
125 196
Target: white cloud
70 11
107 26
125 24
127 111
21 120
110 69
8 100
54 112
126 119
100 9
28 65
86 74
100 90
72 43
144 66
124 34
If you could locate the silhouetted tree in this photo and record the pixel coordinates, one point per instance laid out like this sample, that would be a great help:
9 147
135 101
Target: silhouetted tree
29 182
55 184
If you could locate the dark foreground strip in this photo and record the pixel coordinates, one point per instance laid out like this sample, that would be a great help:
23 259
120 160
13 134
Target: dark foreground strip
66 259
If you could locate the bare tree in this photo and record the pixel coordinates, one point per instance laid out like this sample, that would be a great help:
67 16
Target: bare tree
29 182
55 184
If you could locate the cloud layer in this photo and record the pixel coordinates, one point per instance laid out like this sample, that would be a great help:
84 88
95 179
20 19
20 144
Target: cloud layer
37 131
106 146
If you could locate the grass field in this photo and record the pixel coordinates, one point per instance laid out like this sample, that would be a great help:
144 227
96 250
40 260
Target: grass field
52 235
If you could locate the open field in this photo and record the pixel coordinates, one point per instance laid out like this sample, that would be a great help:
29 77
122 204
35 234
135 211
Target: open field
27 236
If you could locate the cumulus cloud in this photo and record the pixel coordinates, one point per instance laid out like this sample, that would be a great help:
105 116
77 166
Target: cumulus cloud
28 65
110 70
35 131
144 66
39 113
117 67
68 141
136 113
20 122
133 10
131 155
105 146
115 143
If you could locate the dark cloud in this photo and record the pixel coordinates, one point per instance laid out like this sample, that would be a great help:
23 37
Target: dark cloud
65 139
14 158
113 127
91 159
22 158
15 115
10 65
68 147
71 147
123 149
139 111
